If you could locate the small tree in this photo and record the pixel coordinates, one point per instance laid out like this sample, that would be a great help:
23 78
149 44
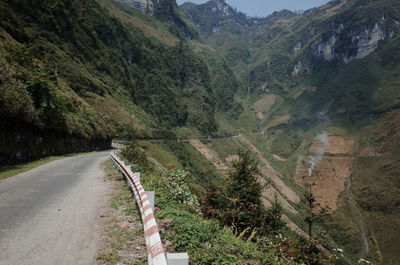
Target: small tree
315 213
215 203
310 217
273 221
239 205
245 206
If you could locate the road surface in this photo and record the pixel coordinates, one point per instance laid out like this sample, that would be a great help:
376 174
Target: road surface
49 215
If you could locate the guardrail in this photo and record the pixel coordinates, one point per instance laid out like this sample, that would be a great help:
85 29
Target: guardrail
155 250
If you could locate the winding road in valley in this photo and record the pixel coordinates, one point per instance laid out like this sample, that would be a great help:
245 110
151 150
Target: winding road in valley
50 215
216 138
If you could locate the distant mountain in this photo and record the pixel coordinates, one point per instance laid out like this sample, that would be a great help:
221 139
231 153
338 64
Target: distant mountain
216 15
341 31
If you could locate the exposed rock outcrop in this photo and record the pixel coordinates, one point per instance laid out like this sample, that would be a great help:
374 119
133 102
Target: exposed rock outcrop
145 6
221 8
347 45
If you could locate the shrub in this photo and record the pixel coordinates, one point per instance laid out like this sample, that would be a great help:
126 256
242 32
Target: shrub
136 156
177 189
15 101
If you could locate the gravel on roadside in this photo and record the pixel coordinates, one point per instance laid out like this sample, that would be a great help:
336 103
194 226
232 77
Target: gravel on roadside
122 239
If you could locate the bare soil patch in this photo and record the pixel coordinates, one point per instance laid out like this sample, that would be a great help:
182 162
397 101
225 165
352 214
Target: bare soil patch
279 120
231 158
263 106
260 115
333 10
338 145
328 179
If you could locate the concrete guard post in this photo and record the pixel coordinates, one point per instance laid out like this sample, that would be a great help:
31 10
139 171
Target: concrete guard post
177 258
152 199
137 174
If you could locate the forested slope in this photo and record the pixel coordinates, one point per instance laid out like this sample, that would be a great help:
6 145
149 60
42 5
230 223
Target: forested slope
86 71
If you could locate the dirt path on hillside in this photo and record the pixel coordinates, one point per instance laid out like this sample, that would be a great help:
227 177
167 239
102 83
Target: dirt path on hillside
209 154
268 171
212 139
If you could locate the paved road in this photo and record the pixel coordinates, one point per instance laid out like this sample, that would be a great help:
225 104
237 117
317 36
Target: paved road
49 215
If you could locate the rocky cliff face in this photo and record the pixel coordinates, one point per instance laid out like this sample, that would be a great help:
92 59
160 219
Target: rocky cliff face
167 11
349 44
145 6
351 32
221 8
342 44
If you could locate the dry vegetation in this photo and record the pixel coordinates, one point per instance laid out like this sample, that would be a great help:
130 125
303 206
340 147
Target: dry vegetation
302 90
337 146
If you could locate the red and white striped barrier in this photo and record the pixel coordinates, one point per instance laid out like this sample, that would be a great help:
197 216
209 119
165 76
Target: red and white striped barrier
155 250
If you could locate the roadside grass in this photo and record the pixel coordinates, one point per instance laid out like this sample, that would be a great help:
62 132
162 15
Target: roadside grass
121 245
183 230
9 171
12 170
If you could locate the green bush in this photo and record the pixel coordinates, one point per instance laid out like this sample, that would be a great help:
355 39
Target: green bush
176 188
15 100
136 157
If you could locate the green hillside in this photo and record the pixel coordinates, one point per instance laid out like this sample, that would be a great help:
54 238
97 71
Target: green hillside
89 71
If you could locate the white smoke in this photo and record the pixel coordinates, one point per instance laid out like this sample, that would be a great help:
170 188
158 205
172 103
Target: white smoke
314 159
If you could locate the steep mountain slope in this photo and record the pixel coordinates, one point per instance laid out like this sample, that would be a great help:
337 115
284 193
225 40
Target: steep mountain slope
331 74
86 71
